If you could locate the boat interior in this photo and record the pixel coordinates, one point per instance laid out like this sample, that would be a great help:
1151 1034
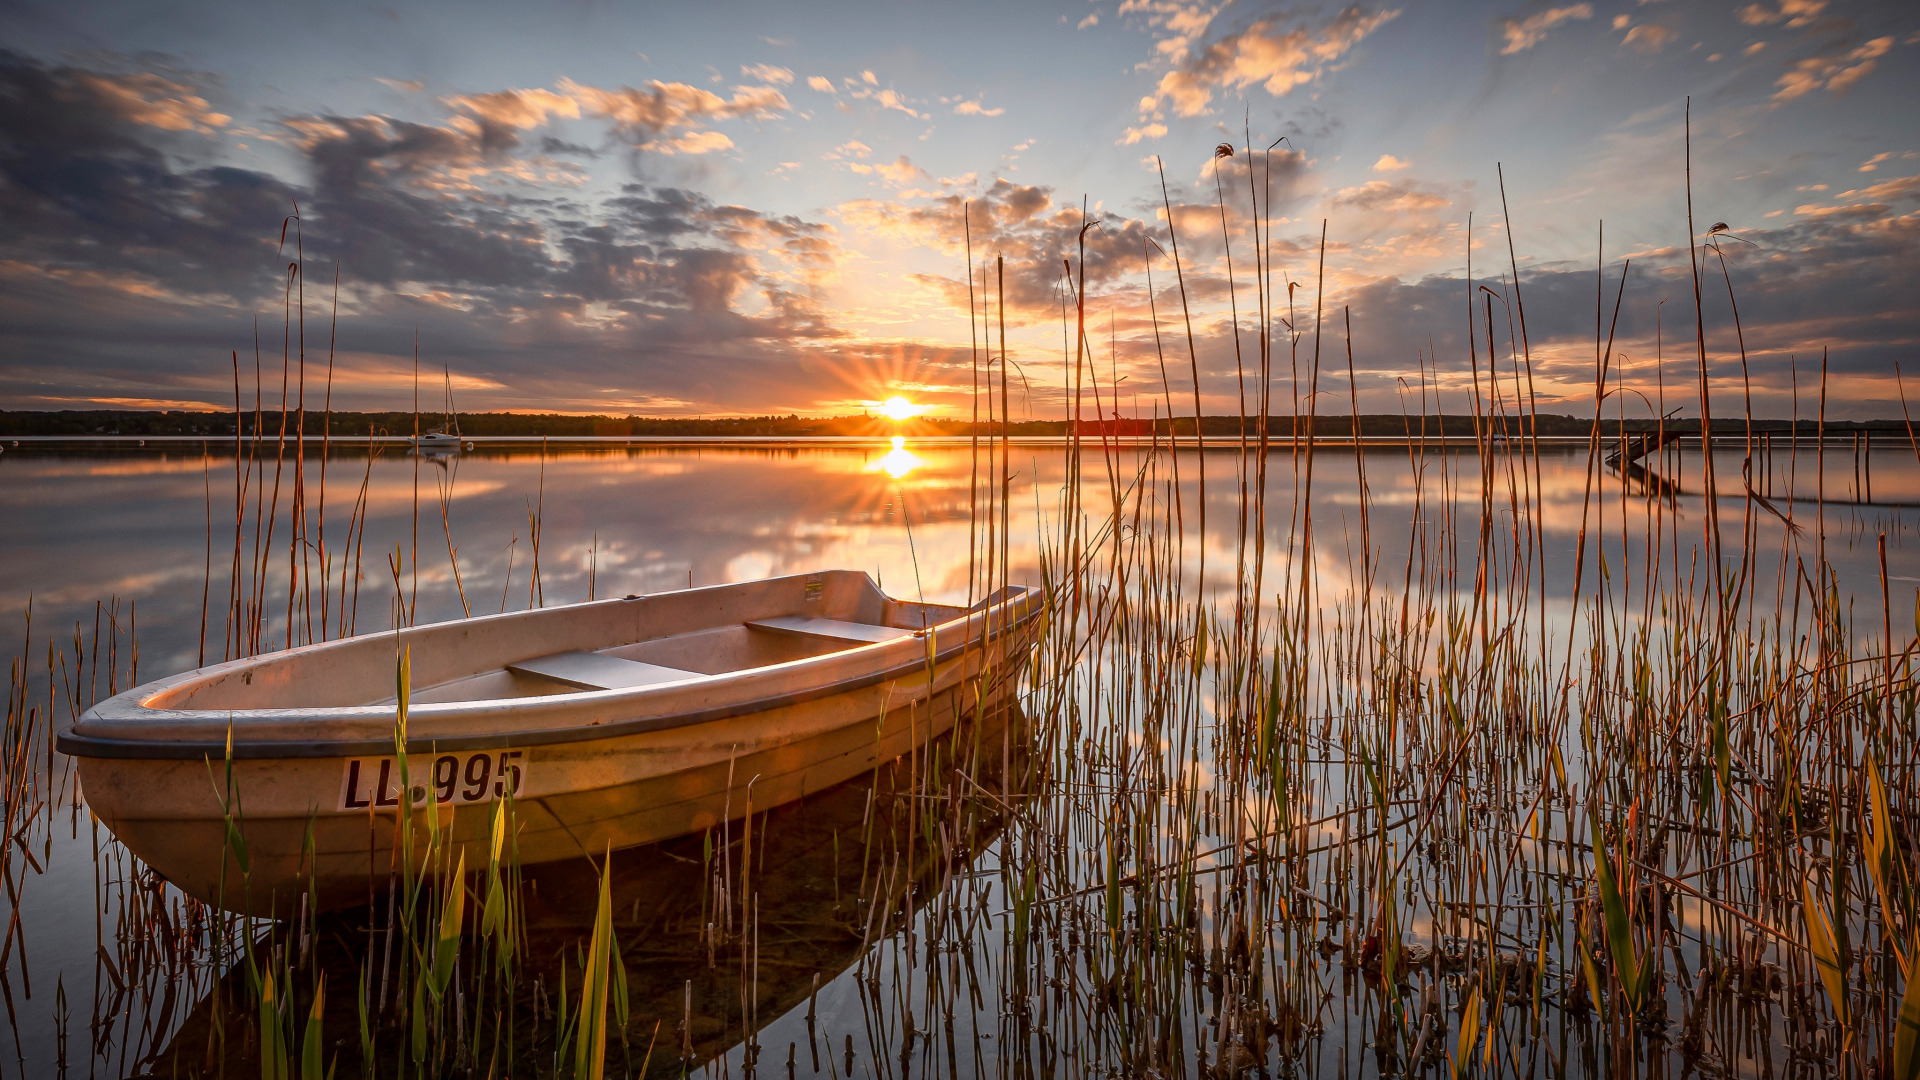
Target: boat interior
636 641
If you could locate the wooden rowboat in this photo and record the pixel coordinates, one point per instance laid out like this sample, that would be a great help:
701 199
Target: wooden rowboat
605 724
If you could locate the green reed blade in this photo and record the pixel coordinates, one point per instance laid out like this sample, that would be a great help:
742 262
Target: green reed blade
1826 951
310 1045
1906 1036
1469 1034
1614 907
452 916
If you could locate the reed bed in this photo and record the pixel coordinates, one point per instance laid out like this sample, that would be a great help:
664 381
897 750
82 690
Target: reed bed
1443 801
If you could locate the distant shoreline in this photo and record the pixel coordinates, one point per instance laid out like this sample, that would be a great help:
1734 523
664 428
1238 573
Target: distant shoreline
108 425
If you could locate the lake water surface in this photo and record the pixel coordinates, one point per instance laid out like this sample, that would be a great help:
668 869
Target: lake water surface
129 552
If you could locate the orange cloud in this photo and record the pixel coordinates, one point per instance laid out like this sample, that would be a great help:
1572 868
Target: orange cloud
1523 34
518 108
1795 13
1647 37
1383 196
1263 54
663 106
155 102
1836 73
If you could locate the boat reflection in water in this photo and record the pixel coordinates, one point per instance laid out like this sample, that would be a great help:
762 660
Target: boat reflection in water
721 933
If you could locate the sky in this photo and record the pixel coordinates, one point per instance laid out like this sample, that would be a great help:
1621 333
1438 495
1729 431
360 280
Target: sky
743 208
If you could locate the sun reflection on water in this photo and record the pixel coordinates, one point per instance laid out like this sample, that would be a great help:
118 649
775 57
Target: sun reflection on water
897 462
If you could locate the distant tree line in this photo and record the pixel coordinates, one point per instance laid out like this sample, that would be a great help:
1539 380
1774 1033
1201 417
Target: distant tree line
85 422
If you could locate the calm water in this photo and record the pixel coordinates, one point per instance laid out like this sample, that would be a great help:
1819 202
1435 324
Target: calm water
123 539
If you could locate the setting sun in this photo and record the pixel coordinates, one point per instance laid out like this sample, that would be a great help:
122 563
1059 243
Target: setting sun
899 408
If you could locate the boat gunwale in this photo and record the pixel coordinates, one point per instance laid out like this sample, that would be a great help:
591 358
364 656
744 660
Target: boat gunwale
1020 610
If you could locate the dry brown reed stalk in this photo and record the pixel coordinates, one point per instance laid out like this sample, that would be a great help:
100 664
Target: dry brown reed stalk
411 601
1193 359
264 557
299 552
326 454
1700 345
206 581
1220 153
536 516
973 428
445 483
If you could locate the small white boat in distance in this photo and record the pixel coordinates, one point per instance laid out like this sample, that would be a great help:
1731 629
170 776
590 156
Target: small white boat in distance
436 440
608 723
446 439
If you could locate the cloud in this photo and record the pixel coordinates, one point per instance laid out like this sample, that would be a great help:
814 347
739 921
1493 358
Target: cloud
151 100
1647 38
1021 222
1523 34
642 116
1862 211
1092 19
887 99
1835 71
1396 196
1905 187
1883 157
1832 280
518 108
132 259
697 142
767 73
974 108
820 83
1795 13
1266 53
127 271
405 86
1034 231
1897 189
901 170
1144 131
86 199
1182 20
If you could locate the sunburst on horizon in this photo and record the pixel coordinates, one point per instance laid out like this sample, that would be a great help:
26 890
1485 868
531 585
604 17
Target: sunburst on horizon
898 408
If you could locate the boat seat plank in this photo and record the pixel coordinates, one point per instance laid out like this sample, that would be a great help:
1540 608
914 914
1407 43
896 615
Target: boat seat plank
831 629
598 671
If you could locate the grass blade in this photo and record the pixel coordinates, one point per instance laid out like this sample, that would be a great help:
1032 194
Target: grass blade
1826 951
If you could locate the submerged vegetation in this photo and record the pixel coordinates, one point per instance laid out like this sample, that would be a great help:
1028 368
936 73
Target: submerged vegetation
1457 800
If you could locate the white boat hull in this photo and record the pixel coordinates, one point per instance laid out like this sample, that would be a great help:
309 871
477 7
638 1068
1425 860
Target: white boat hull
581 771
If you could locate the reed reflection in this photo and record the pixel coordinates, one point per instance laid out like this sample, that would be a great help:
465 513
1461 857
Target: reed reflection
720 934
